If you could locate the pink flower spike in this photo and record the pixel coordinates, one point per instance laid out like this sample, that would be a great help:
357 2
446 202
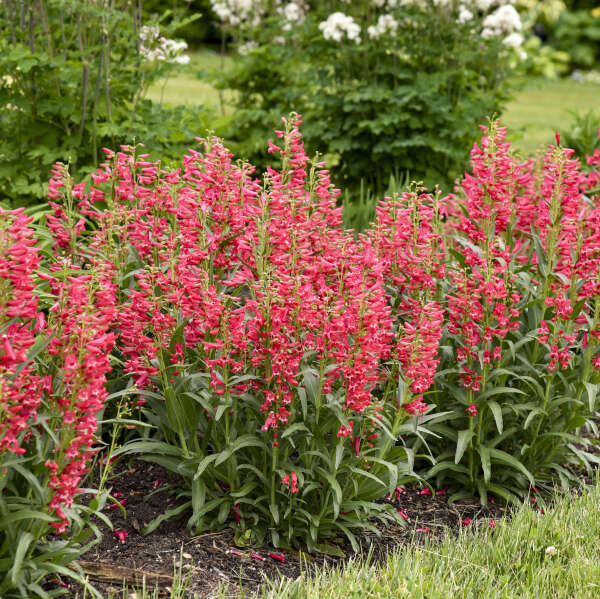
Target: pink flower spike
425 491
279 557
156 483
121 534
557 135
403 514
533 500
257 556
492 524
424 529
466 521
238 553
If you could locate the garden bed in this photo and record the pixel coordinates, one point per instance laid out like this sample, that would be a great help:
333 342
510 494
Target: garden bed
213 560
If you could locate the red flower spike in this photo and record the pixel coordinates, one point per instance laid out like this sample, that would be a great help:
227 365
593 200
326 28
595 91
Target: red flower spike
425 491
424 529
257 556
492 524
403 514
466 521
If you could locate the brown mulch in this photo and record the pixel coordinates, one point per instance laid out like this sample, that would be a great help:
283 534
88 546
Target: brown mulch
212 560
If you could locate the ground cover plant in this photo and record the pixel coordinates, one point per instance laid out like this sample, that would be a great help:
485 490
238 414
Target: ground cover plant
290 372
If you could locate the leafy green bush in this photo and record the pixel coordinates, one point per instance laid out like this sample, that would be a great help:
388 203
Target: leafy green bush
398 95
584 134
73 80
578 33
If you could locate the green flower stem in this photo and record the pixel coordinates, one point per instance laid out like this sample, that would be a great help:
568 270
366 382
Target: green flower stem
273 469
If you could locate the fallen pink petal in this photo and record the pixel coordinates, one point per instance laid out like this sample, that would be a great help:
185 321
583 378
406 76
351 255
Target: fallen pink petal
121 534
279 557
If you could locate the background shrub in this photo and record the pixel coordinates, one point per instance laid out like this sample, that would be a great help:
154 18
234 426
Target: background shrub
74 79
376 102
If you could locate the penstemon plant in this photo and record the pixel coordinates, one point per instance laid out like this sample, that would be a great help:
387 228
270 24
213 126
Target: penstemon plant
520 348
293 373
254 326
53 367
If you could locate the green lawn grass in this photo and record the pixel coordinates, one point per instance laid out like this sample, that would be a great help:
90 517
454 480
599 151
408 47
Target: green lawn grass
544 106
192 85
537 110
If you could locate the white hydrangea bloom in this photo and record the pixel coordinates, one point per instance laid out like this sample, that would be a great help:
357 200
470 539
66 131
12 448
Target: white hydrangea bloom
337 25
293 13
513 40
504 20
464 15
236 12
246 48
385 24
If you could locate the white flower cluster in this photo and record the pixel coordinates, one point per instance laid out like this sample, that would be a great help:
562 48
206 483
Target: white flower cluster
247 47
155 47
464 15
504 21
236 12
385 24
337 25
292 13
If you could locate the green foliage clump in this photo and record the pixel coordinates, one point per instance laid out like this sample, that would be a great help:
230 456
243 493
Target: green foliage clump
74 77
578 33
584 134
389 104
